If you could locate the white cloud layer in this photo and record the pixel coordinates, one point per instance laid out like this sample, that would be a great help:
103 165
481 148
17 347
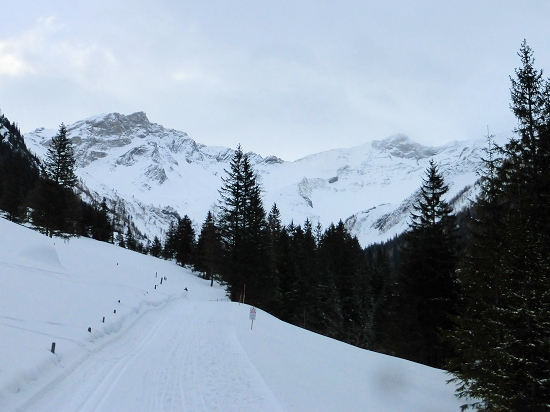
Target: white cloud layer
284 78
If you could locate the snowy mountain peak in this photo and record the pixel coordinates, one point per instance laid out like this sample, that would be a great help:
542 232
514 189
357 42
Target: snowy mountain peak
402 146
152 172
116 124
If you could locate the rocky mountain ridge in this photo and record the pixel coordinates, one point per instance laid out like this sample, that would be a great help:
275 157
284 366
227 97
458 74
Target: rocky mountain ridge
153 174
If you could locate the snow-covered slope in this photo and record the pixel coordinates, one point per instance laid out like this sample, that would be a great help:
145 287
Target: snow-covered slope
171 349
150 172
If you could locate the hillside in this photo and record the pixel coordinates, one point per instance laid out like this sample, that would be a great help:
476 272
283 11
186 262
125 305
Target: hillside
167 348
150 173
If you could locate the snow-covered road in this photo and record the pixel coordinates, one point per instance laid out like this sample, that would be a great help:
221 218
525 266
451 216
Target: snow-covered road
184 357
174 346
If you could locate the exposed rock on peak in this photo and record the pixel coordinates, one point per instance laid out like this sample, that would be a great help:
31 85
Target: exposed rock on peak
402 146
148 168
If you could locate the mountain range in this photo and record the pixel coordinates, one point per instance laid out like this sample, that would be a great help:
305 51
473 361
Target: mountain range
152 174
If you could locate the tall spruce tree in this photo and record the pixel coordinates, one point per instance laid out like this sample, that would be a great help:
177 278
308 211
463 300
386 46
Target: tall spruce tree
59 163
156 247
169 250
428 289
342 257
381 282
55 206
502 337
208 249
244 235
185 244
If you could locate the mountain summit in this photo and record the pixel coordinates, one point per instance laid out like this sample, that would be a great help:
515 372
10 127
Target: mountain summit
401 146
152 173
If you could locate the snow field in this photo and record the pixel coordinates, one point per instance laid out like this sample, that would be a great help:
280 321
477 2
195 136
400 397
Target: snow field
52 291
166 349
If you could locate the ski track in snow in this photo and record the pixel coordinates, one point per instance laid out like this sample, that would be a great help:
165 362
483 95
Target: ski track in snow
187 358
167 349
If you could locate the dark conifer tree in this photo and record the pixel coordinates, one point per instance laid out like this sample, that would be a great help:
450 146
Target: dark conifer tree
19 171
342 258
381 286
13 188
156 247
503 336
169 250
208 249
427 286
244 235
55 207
59 164
274 230
185 244
103 229
297 291
130 240
120 240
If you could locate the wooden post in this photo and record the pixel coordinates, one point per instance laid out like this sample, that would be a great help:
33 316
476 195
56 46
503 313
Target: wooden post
53 347
252 316
103 319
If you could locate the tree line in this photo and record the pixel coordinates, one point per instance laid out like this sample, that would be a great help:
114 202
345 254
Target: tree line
44 193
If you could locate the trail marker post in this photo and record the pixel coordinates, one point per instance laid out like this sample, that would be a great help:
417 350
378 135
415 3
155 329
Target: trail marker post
252 316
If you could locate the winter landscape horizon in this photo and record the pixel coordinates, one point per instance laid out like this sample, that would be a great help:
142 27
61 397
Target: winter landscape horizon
260 206
154 174
90 326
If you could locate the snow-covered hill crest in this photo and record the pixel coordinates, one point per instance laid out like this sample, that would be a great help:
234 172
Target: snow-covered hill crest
152 172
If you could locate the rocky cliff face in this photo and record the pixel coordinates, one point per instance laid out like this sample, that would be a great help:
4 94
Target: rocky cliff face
152 173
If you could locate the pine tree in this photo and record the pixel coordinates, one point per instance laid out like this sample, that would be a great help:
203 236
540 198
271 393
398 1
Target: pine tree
55 206
427 287
297 285
208 249
103 229
169 250
342 257
120 240
503 332
185 242
59 163
130 240
381 282
156 247
244 235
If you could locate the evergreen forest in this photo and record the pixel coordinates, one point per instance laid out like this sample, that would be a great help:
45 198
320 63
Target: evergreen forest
45 195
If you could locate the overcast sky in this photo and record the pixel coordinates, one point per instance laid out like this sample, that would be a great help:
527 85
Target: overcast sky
284 78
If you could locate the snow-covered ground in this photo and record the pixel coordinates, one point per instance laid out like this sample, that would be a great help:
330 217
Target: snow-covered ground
168 349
